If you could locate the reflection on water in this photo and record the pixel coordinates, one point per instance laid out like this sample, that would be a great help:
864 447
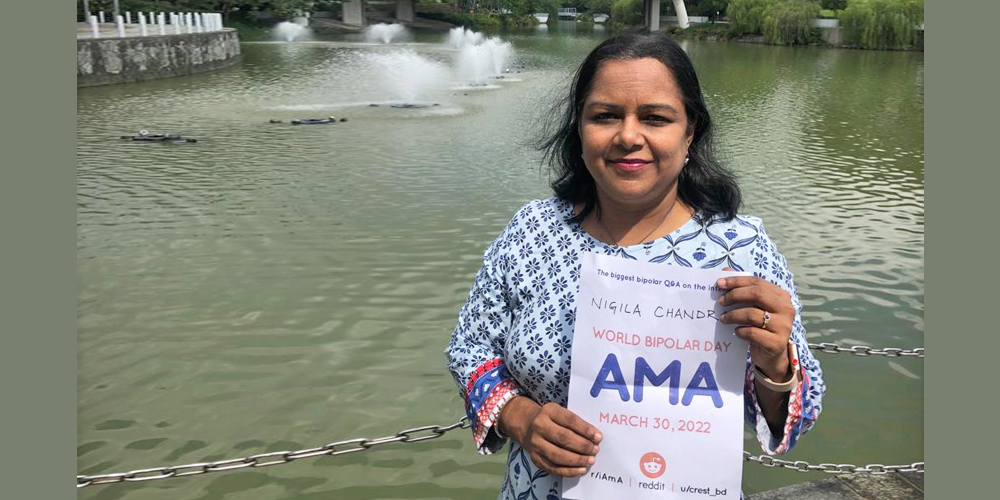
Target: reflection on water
278 287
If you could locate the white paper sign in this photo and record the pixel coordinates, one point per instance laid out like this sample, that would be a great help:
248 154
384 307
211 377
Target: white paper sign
662 379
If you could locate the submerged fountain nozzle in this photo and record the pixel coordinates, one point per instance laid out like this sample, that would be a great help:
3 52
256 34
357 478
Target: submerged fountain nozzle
146 136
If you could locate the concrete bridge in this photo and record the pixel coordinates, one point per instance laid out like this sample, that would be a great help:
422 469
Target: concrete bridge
406 11
354 11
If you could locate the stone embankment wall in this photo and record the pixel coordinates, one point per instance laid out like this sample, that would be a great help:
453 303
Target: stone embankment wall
103 61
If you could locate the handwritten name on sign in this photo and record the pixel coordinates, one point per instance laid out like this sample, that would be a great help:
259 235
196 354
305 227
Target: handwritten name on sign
663 380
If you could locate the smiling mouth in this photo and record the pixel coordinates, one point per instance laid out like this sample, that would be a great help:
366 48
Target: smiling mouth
630 161
629 165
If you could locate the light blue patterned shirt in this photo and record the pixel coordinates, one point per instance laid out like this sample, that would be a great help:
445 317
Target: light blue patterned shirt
515 332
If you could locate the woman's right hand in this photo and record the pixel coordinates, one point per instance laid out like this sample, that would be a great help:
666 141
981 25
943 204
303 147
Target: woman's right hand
556 439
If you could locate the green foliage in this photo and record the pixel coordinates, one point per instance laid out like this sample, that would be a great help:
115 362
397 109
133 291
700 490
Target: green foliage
627 13
598 6
550 7
290 8
482 19
783 22
882 24
331 6
833 4
790 22
746 17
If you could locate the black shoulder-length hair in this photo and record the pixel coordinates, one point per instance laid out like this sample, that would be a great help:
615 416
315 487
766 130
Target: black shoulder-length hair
704 184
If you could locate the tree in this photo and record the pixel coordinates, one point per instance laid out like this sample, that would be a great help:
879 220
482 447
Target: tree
833 4
599 6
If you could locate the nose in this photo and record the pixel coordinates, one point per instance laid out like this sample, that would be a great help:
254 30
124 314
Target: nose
629 136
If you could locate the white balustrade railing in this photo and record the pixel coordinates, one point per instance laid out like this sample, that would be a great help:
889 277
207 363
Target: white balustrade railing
179 23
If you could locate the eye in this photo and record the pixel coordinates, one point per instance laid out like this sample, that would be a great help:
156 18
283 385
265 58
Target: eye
657 119
604 117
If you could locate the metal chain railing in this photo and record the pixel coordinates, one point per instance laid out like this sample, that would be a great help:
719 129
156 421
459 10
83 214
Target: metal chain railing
801 466
426 432
417 435
414 435
863 350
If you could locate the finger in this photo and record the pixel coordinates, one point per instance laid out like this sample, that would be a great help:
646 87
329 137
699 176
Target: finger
552 468
738 281
571 421
745 281
763 297
771 343
567 439
561 457
750 316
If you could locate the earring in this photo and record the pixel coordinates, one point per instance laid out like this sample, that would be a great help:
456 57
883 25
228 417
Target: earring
686 159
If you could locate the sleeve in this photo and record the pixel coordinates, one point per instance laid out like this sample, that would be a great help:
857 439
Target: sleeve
476 352
805 400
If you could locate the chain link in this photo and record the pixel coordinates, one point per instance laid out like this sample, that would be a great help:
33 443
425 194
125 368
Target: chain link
418 434
863 350
414 435
801 466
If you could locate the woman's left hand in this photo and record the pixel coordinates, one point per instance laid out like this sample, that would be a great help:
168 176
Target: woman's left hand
765 318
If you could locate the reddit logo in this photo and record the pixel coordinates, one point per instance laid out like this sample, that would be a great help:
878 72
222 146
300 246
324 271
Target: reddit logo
652 465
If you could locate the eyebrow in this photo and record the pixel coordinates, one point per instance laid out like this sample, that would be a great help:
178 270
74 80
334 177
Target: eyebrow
644 107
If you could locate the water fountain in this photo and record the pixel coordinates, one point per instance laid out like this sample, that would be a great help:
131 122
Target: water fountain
409 77
461 37
478 62
384 33
291 32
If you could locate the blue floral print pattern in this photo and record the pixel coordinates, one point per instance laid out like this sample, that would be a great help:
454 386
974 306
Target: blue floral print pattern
518 323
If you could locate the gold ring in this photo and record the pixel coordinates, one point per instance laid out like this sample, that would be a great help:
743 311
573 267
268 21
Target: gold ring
767 319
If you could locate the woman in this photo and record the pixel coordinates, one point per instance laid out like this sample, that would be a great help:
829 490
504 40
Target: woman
636 178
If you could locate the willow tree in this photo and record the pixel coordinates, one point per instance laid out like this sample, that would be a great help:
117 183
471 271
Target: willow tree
882 24
788 22
746 17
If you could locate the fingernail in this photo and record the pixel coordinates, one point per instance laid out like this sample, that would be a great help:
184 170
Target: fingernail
723 317
597 449
590 461
598 437
721 283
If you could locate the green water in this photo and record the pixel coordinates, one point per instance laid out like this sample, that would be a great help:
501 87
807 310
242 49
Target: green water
275 287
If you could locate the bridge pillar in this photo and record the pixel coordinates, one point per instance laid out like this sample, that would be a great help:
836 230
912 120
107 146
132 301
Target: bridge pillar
353 12
405 10
652 15
682 14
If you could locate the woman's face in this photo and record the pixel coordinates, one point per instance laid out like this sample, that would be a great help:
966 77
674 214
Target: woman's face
635 133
